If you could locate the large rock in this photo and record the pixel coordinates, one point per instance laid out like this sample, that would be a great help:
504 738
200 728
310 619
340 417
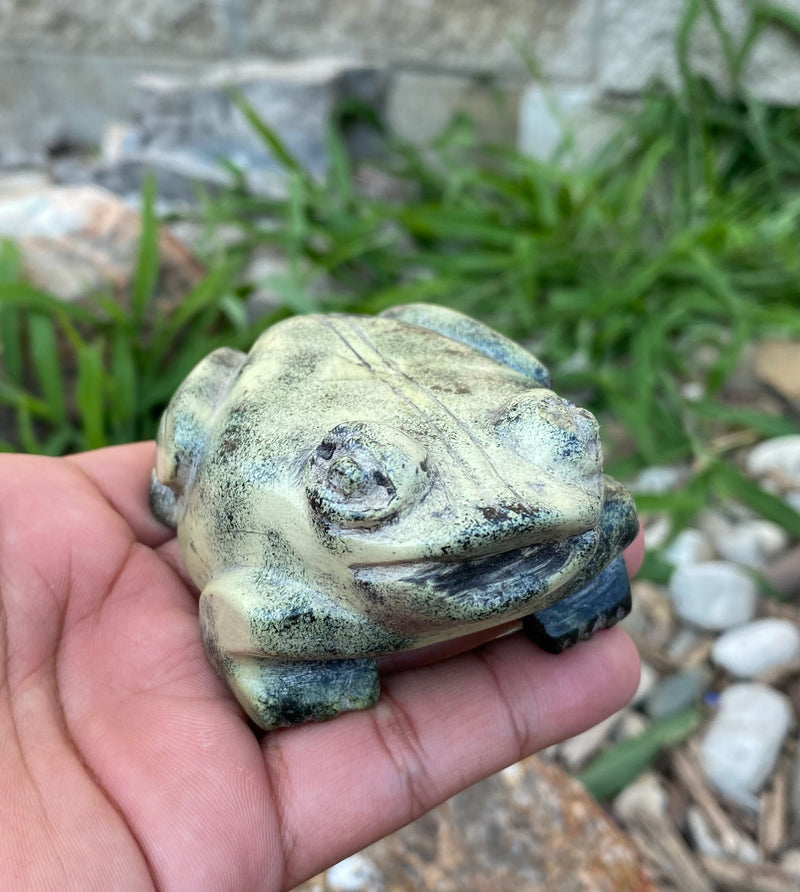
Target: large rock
75 241
464 34
638 45
576 116
187 128
530 827
177 27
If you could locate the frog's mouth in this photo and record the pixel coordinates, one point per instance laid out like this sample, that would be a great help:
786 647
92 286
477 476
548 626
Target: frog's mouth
506 584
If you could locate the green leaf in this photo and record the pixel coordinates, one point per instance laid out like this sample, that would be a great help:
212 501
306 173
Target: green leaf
11 342
46 362
20 294
26 431
731 482
618 766
123 386
89 396
266 133
10 261
147 264
765 424
341 174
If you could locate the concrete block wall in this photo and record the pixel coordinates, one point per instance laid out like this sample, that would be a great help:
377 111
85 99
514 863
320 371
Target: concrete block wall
67 66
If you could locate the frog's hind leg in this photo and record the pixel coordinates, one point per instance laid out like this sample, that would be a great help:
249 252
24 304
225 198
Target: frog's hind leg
279 647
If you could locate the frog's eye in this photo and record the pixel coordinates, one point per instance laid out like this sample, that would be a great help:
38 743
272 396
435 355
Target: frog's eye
360 477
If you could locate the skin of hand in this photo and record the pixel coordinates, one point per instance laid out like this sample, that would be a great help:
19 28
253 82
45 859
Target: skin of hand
125 764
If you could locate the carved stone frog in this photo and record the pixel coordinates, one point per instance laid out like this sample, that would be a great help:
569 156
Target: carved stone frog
360 485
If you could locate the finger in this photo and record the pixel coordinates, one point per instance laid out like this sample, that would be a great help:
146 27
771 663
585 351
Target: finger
170 553
434 731
122 474
634 554
434 653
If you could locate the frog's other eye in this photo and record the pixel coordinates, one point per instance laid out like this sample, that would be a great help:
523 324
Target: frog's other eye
361 476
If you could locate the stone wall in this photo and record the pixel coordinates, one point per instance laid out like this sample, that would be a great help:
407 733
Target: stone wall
67 67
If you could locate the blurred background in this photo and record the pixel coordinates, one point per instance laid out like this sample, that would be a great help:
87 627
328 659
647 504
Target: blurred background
611 182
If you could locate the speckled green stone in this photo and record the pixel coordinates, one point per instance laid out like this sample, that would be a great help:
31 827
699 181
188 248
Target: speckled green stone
360 485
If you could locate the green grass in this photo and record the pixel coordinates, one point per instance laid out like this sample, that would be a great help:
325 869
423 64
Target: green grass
633 274
83 375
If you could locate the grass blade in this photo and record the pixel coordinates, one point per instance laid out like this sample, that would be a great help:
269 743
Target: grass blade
147 264
266 133
730 482
45 356
614 769
89 394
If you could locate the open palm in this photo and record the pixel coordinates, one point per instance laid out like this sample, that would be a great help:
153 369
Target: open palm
124 762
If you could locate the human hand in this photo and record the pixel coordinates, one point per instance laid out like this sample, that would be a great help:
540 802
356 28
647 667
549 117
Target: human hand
125 764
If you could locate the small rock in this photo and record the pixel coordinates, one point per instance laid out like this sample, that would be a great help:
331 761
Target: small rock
701 835
651 620
646 796
689 647
690 546
740 846
676 692
714 595
748 650
660 479
648 677
354 874
777 459
78 240
742 744
790 862
632 725
577 751
777 364
752 542
657 530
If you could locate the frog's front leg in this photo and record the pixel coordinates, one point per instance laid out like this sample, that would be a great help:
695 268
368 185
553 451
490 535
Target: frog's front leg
288 653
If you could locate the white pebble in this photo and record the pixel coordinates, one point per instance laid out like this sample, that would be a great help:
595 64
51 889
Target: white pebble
648 677
701 835
790 862
354 874
742 744
714 595
644 797
688 547
778 458
752 542
659 479
748 650
577 751
741 847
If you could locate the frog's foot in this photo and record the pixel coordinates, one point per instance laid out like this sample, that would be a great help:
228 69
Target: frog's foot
598 605
277 692
288 653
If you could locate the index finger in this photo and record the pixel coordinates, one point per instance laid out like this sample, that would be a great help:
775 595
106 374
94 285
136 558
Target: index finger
122 474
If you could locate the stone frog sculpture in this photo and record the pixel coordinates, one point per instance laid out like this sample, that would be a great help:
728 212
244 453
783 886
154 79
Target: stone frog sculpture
360 485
